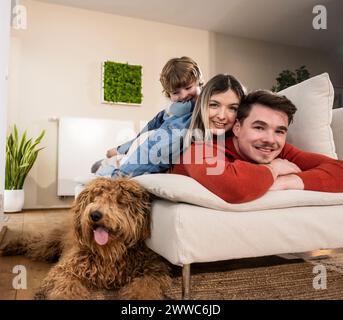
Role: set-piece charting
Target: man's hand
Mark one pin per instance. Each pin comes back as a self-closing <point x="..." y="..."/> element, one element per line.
<point x="282" y="167"/>
<point x="111" y="153"/>
<point x="288" y="182"/>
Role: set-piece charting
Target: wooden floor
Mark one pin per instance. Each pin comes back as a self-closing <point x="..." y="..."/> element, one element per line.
<point x="36" y="271"/>
<point x="41" y="220"/>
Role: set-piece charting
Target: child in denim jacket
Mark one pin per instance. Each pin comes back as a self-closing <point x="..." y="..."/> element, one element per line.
<point x="181" y="80"/>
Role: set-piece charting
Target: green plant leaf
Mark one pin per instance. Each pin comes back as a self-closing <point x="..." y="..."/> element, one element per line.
<point x="21" y="155"/>
<point x="289" y="78"/>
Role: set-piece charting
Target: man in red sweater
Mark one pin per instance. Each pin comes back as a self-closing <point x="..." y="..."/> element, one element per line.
<point x="258" y="159"/>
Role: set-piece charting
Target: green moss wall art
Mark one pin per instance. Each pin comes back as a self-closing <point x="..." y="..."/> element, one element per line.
<point x="121" y="83"/>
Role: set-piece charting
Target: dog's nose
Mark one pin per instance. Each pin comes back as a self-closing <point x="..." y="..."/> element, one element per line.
<point x="96" y="216"/>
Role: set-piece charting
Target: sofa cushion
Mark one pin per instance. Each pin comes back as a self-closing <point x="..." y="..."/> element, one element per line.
<point x="183" y="233"/>
<point x="311" y="130"/>
<point x="179" y="188"/>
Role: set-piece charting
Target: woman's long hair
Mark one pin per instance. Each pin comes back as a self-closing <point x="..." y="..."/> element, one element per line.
<point x="199" y="129"/>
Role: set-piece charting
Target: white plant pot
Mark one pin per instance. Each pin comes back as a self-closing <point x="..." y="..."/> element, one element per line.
<point x="14" y="200"/>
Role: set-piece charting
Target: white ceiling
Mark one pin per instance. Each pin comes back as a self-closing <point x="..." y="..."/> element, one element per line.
<point x="280" y="21"/>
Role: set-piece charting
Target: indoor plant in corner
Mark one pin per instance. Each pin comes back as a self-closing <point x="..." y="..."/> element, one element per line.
<point x="21" y="154"/>
<point x="289" y="78"/>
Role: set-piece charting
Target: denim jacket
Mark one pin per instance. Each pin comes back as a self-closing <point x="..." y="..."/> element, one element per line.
<point x="175" y="109"/>
<point x="161" y="149"/>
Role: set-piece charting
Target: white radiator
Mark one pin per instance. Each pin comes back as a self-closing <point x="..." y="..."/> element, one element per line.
<point x="83" y="141"/>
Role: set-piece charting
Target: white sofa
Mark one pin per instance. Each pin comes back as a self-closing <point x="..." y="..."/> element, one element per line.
<point x="192" y="225"/>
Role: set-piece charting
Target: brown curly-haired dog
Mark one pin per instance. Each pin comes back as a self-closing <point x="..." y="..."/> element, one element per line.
<point x="101" y="247"/>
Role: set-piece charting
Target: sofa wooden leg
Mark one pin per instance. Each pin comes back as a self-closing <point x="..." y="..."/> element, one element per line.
<point x="186" y="279"/>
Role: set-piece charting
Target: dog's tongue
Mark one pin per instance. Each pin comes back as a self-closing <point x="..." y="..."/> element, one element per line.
<point x="100" y="236"/>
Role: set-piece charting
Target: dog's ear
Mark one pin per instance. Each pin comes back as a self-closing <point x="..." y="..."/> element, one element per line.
<point x="77" y="208"/>
<point x="85" y="196"/>
<point x="136" y="201"/>
<point x="132" y="192"/>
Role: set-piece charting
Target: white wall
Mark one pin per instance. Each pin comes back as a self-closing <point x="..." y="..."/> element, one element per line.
<point x="5" y="17"/>
<point x="55" y="71"/>
<point x="257" y="63"/>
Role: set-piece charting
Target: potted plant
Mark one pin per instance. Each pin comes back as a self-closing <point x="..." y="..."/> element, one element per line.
<point x="289" y="78"/>
<point x="21" y="154"/>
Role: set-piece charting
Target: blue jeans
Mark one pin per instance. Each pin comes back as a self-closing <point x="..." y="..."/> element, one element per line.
<point x="153" y="124"/>
<point x="161" y="149"/>
<point x="177" y="109"/>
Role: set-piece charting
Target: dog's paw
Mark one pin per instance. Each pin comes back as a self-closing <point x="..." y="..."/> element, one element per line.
<point x="9" y="249"/>
<point x="13" y="245"/>
<point x="43" y="294"/>
<point x="132" y="293"/>
<point x="139" y="296"/>
<point x="40" y="295"/>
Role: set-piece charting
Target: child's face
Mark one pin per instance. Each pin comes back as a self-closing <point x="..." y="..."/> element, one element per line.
<point x="190" y="92"/>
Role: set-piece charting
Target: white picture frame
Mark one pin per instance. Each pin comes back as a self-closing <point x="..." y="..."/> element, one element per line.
<point x="103" y="101"/>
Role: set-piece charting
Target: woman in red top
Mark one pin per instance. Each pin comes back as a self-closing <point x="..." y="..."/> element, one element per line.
<point x="213" y="118"/>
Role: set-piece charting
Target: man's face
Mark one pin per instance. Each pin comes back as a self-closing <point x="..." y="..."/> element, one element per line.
<point x="262" y="135"/>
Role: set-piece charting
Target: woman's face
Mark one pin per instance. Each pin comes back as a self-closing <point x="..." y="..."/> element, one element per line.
<point x="222" y="111"/>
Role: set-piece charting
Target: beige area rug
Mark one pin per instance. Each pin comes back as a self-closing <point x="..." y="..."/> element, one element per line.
<point x="266" y="278"/>
<point x="254" y="280"/>
<point x="333" y="262"/>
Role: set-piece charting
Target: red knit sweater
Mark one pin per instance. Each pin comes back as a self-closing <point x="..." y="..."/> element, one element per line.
<point x="242" y="181"/>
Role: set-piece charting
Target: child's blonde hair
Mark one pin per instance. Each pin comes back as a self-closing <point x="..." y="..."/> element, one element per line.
<point x="178" y="73"/>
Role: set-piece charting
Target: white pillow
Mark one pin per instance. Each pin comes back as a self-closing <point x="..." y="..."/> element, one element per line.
<point x="179" y="188"/>
<point x="311" y="129"/>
